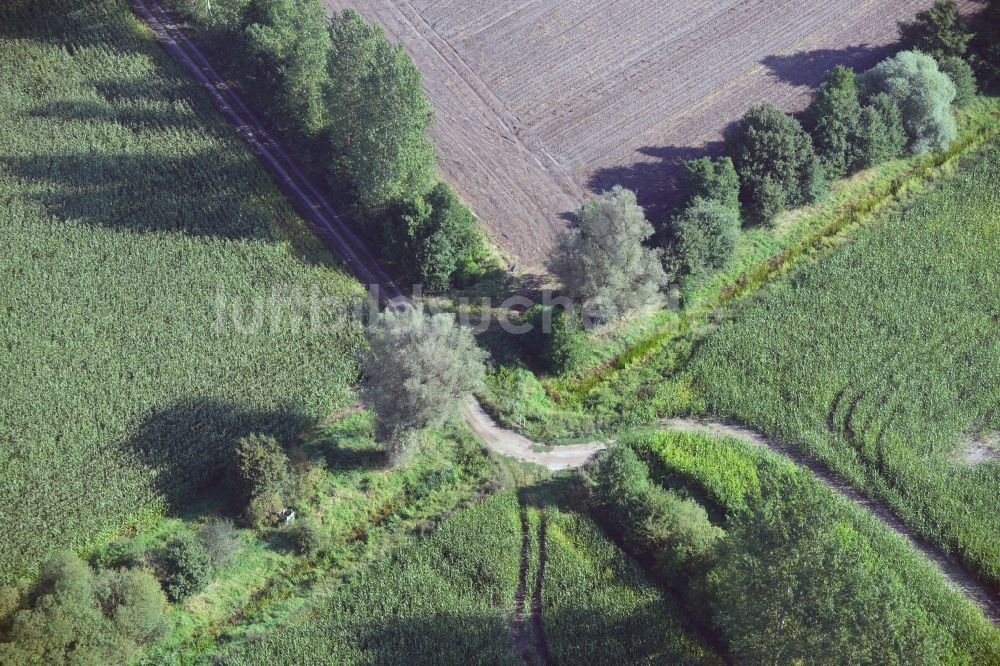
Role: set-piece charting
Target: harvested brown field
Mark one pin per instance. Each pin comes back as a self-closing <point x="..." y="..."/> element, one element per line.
<point x="542" y="103"/>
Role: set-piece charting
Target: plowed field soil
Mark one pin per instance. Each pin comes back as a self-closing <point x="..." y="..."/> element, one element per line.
<point x="541" y="103"/>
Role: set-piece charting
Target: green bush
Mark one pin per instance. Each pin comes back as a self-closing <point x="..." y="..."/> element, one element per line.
<point x="776" y="163"/>
<point x="833" y="121"/>
<point x="433" y="239"/>
<point x="308" y="536"/>
<point x="74" y="617"/>
<point x="186" y="567"/>
<point x="940" y="31"/>
<point x="924" y="96"/>
<point x="704" y="238"/>
<point x="221" y="541"/>
<point x="961" y="74"/>
<point x="714" y="180"/>
<point x="262" y="476"/>
<point x="567" y="343"/>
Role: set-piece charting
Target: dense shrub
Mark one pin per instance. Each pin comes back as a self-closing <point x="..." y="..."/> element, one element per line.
<point x="379" y="116"/>
<point x="186" y="567"/>
<point x="704" y="238"/>
<point x="221" y="541"/>
<point x="939" y="31"/>
<point x="286" y="47"/>
<point x="604" y="260"/>
<point x="308" y="536"/>
<point x="262" y="476"/>
<point x="833" y="118"/>
<point x="924" y="96"/>
<point x="775" y="160"/>
<point x="420" y="371"/>
<point x="567" y="343"/>
<point x="433" y="238"/>
<point x="713" y="180"/>
<point x="881" y="135"/>
<point x="76" y="617"/>
<point x="961" y="74"/>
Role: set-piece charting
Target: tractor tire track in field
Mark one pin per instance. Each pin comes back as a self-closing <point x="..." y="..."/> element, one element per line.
<point x="308" y="200"/>
<point x="526" y="622"/>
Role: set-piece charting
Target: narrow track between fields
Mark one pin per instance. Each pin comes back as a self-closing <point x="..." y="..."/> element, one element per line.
<point x="309" y="201"/>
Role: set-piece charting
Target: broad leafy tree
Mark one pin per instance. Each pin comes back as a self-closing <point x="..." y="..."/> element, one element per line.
<point x="833" y="119"/>
<point x="420" y="371"/>
<point x="776" y="162"/>
<point x="287" y="46"/>
<point x="961" y="74"/>
<point x="604" y="259"/>
<point x="379" y="116"/>
<point x="881" y="135"/>
<point x="923" y="93"/>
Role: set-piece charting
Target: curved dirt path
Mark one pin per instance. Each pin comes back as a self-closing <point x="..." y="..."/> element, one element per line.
<point x="314" y="207"/>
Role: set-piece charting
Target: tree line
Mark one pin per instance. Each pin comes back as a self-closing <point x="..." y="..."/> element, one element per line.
<point x="773" y="162"/>
<point x="350" y="101"/>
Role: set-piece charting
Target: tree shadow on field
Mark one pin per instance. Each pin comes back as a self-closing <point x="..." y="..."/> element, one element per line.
<point x="806" y="68"/>
<point x="656" y="179"/>
<point x="201" y="194"/>
<point x="190" y="444"/>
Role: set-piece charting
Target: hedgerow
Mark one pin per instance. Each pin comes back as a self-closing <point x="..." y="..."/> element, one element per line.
<point x="133" y="224"/>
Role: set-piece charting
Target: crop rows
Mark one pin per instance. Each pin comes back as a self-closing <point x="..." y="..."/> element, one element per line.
<point x="443" y="599"/>
<point x="880" y="360"/>
<point x="599" y="608"/>
<point x="130" y="214"/>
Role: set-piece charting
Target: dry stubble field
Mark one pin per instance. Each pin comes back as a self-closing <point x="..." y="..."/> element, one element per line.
<point x="543" y="102"/>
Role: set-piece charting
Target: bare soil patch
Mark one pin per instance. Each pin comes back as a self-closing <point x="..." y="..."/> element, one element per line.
<point x="542" y="103"/>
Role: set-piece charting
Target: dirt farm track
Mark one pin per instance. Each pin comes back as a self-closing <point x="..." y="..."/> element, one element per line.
<point x="541" y="103"/>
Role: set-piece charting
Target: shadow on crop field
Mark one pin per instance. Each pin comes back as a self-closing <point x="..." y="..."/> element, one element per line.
<point x="190" y="443"/>
<point x="655" y="180"/>
<point x="806" y="68"/>
<point x="202" y="194"/>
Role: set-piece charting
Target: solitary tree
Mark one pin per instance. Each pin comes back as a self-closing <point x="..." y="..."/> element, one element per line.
<point x="833" y="118"/>
<point x="420" y="370"/>
<point x="775" y="160"/>
<point x="379" y="116"/>
<point x="939" y="31"/>
<point x="924" y="96"/>
<point x="287" y="45"/>
<point x="604" y="258"/>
